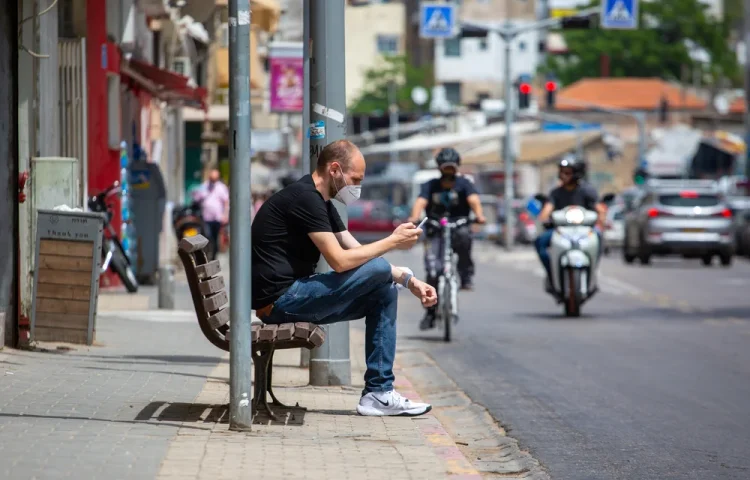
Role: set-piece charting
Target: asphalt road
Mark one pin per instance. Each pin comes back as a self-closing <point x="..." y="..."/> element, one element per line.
<point x="652" y="382"/>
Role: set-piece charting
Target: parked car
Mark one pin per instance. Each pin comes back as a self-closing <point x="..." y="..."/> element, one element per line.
<point x="740" y="207"/>
<point x="614" y="228"/>
<point x="683" y="217"/>
<point x="372" y="220"/>
<point x="744" y="235"/>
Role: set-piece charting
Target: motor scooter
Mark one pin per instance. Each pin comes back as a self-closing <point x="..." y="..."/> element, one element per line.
<point x="188" y="221"/>
<point x="574" y="257"/>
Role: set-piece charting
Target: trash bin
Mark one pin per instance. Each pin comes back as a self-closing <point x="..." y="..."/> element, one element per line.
<point x="148" y="198"/>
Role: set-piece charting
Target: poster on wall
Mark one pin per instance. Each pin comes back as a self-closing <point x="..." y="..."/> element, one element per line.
<point x="287" y="85"/>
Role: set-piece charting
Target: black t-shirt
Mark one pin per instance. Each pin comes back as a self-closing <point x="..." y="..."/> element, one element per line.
<point x="584" y="195"/>
<point x="452" y="201"/>
<point x="282" y="250"/>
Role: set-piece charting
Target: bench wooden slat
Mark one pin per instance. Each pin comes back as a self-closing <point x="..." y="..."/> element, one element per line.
<point x="317" y="337"/>
<point x="267" y="333"/>
<point x="218" y="319"/>
<point x="216" y="301"/>
<point x="208" y="270"/>
<point x="302" y="330"/>
<point x="256" y="332"/>
<point x="211" y="285"/>
<point x="193" y="244"/>
<point x="285" y="332"/>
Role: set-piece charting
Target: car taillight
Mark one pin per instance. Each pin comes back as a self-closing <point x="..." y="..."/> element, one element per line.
<point x="653" y="212"/>
<point x="726" y="213"/>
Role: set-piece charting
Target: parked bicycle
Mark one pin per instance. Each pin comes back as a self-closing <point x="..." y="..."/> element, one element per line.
<point x="448" y="282"/>
<point x="113" y="253"/>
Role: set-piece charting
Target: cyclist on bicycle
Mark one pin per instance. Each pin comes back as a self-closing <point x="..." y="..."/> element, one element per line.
<point x="573" y="190"/>
<point x="456" y="196"/>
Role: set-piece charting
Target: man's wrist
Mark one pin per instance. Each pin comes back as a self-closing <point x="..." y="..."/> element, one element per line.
<point x="407" y="278"/>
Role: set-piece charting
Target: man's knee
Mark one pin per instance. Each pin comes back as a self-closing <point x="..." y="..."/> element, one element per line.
<point x="380" y="270"/>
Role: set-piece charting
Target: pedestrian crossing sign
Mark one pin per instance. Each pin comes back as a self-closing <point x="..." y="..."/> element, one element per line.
<point x="437" y="20"/>
<point x="619" y="14"/>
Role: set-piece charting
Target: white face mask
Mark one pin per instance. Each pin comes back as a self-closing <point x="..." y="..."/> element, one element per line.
<point x="349" y="193"/>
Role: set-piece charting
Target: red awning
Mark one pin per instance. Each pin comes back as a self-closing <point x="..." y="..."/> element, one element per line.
<point x="163" y="84"/>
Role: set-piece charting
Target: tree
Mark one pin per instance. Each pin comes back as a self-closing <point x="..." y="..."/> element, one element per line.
<point x="397" y="69"/>
<point x="656" y="49"/>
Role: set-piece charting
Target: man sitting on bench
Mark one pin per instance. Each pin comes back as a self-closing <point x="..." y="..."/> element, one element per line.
<point x="293" y="228"/>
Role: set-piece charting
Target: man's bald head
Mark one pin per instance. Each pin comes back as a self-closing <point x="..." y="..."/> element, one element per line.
<point x="344" y="152"/>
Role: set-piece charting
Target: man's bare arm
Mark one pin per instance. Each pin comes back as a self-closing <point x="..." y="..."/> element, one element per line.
<point x="546" y="212"/>
<point x="348" y="242"/>
<point x="416" y="211"/>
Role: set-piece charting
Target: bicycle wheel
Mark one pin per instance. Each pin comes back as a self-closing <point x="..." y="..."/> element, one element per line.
<point x="446" y="309"/>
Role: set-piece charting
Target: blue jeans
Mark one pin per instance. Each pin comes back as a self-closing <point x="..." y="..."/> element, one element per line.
<point x="543" y="242"/>
<point x="367" y="291"/>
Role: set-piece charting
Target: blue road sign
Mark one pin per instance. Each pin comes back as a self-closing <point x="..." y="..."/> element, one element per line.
<point x="437" y="20"/>
<point x="619" y="14"/>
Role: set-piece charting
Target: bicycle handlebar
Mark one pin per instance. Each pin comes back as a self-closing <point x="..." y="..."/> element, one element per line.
<point x="444" y="221"/>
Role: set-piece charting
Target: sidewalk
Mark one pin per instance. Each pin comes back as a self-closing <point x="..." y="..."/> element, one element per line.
<point x="150" y="401"/>
<point x="327" y="441"/>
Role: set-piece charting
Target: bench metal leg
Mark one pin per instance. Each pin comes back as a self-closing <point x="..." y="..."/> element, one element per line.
<point x="262" y="362"/>
<point x="275" y="401"/>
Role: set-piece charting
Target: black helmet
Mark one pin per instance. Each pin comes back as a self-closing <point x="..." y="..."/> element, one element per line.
<point x="577" y="164"/>
<point x="448" y="157"/>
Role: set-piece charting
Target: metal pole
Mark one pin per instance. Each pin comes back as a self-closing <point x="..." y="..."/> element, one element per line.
<point x="507" y="150"/>
<point x="641" y="118"/>
<point x="746" y="36"/>
<point x="329" y="363"/>
<point x="240" y="310"/>
<point x="579" y="139"/>
<point x="304" y="356"/>
<point x="393" y="123"/>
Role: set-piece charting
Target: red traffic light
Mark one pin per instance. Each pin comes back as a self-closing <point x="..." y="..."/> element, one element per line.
<point x="524" y="88"/>
<point x="551" y="86"/>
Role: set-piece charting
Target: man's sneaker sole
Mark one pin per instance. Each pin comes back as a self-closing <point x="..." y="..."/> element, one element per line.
<point x="374" y="412"/>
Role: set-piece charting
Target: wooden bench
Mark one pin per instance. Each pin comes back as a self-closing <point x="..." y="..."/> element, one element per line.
<point x="210" y="300"/>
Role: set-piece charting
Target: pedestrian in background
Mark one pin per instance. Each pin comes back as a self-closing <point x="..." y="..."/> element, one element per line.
<point x="214" y="197"/>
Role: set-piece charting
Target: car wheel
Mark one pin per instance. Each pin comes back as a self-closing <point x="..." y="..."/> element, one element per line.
<point x="626" y="255"/>
<point x="726" y="259"/>
<point x="706" y="259"/>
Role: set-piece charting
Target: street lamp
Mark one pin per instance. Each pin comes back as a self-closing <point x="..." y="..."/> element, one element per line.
<point x="508" y="33"/>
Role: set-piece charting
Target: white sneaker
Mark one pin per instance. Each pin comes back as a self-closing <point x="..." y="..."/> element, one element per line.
<point x="378" y="404"/>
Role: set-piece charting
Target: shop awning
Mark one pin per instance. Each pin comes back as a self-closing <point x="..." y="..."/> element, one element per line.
<point x="165" y="85"/>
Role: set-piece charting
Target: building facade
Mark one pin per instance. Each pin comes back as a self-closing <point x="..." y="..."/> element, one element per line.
<point x="473" y="69"/>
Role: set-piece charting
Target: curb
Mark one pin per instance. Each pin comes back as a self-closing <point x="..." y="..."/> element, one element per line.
<point x="442" y="444"/>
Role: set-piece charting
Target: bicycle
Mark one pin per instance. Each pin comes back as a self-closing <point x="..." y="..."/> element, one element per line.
<point x="447" y="285"/>
<point x="114" y="255"/>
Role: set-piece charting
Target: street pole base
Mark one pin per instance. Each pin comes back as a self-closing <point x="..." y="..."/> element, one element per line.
<point x="330" y="372"/>
<point x="239" y="427"/>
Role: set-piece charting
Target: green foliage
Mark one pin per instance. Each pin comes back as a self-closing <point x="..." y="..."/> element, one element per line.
<point x="397" y="69"/>
<point x="656" y="49"/>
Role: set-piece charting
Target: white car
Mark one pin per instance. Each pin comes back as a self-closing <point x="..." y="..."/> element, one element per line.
<point x="614" y="228"/>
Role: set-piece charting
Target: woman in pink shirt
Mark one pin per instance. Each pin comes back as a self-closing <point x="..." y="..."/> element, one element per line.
<point x="214" y="198"/>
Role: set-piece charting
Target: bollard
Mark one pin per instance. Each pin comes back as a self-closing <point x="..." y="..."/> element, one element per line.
<point x="166" y="287"/>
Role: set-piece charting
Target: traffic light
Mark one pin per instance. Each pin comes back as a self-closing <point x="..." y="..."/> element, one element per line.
<point x="577" y="23"/>
<point x="524" y="92"/>
<point x="640" y="176"/>
<point x="551" y="87"/>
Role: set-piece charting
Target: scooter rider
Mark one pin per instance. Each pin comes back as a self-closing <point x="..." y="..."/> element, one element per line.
<point x="573" y="190"/>
<point x="456" y="196"/>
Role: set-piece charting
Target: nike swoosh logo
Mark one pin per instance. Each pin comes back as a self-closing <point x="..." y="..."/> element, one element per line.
<point x="385" y="404"/>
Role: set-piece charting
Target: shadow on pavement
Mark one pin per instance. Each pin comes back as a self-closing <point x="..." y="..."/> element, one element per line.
<point x="555" y="316"/>
<point x="184" y="412"/>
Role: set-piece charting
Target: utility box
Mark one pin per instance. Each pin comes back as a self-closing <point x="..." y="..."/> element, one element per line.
<point x="66" y="280"/>
<point x="148" y="198"/>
